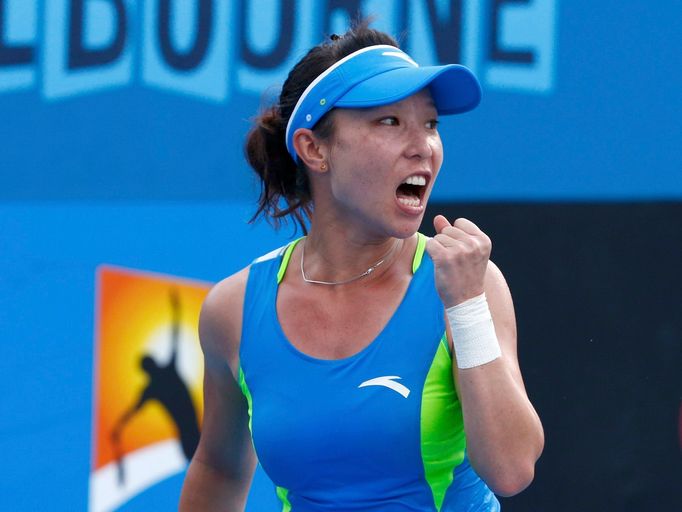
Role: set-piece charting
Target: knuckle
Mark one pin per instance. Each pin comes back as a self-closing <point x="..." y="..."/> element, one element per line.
<point x="473" y="244"/>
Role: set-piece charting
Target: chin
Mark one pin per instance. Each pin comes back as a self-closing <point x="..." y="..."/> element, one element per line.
<point x="406" y="228"/>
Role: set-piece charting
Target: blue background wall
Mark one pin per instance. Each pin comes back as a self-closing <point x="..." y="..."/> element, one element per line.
<point x="133" y="162"/>
<point x="594" y="116"/>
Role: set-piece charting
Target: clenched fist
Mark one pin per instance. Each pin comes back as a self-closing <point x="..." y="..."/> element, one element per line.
<point x="460" y="253"/>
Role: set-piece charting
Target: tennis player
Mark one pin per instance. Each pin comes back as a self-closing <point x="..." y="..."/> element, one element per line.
<point x="366" y="367"/>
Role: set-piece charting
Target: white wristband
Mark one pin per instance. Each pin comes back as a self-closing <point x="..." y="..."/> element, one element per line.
<point x="473" y="333"/>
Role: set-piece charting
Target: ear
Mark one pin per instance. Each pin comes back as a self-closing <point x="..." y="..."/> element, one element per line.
<point x="310" y="149"/>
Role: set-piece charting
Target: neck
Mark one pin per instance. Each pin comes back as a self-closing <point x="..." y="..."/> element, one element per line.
<point x="335" y="254"/>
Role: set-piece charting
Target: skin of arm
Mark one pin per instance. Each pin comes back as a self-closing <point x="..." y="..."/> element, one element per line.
<point x="504" y="433"/>
<point x="175" y="332"/>
<point x="220" y="474"/>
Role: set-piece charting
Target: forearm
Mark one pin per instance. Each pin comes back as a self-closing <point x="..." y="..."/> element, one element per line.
<point x="504" y="433"/>
<point x="207" y="489"/>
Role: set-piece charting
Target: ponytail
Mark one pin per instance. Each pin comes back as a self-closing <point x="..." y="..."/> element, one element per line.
<point x="279" y="175"/>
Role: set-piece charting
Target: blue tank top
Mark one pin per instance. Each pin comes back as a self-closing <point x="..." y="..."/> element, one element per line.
<point x="381" y="430"/>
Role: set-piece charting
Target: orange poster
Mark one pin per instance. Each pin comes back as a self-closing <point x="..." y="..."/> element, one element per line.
<point x="147" y="392"/>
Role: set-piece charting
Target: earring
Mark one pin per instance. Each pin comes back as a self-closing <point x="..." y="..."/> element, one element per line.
<point x="323" y="166"/>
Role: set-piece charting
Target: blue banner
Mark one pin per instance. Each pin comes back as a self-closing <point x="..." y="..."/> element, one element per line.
<point x="151" y="99"/>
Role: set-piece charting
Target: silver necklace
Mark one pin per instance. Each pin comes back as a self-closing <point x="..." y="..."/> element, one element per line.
<point x="346" y="281"/>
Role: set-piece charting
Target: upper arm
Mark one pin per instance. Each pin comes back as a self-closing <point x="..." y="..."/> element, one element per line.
<point x="225" y="442"/>
<point x="504" y="319"/>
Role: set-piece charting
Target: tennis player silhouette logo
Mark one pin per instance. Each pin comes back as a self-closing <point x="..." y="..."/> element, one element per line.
<point x="166" y="387"/>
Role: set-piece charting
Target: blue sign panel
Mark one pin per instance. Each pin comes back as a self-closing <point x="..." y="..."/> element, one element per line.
<point x="17" y="44"/>
<point x="186" y="47"/>
<point x="86" y="47"/>
<point x="151" y="99"/>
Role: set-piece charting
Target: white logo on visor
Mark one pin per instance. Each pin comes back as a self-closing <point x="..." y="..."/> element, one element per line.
<point x="403" y="56"/>
<point x="387" y="382"/>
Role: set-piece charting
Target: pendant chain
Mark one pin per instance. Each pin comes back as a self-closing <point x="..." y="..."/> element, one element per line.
<point x="346" y="281"/>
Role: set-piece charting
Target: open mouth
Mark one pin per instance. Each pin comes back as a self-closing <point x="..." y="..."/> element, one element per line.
<point x="411" y="191"/>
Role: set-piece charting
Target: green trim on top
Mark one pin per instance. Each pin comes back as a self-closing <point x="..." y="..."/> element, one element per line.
<point x="247" y="394"/>
<point x="285" y="259"/>
<point x="444" y="341"/>
<point x="442" y="426"/>
<point x="283" y="495"/>
<point x="419" y="253"/>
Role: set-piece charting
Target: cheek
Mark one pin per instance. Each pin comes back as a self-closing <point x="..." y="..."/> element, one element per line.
<point x="358" y="159"/>
<point x="437" y="148"/>
<point x="341" y="154"/>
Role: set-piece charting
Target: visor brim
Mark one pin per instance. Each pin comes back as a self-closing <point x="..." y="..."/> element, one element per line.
<point x="453" y="87"/>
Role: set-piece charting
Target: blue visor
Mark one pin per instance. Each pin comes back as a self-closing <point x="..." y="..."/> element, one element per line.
<point x="379" y="75"/>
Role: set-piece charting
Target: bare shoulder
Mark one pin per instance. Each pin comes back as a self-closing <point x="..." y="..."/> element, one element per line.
<point x="220" y="321"/>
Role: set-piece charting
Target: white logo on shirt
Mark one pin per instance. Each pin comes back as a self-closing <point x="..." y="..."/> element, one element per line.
<point x="388" y="382"/>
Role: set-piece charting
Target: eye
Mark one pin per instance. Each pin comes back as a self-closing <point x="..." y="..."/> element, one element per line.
<point x="432" y="124"/>
<point x="389" y="121"/>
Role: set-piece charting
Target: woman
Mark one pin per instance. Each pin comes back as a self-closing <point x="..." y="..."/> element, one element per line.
<point x="333" y="356"/>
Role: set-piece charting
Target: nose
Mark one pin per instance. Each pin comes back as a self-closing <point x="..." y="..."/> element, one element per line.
<point x="419" y="143"/>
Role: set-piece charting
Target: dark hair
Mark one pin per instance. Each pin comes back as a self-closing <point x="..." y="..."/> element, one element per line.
<point x="281" y="178"/>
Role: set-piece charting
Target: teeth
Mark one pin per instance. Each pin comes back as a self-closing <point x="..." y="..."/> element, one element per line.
<point x="410" y="201"/>
<point x="415" y="180"/>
